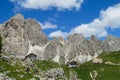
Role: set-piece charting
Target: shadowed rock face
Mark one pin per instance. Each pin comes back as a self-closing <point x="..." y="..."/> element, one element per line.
<point x="22" y="37"/>
<point x="34" y="33"/>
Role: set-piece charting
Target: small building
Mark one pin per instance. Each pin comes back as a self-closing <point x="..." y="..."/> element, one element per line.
<point x="31" y="56"/>
<point x="72" y="64"/>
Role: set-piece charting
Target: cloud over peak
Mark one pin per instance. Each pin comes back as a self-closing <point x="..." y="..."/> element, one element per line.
<point x="109" y="18"/>
<point x="48" y="25"/>
<point x="58" y="33"/>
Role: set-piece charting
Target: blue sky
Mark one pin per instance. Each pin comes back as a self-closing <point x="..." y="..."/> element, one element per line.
<point x="65" y="17"/>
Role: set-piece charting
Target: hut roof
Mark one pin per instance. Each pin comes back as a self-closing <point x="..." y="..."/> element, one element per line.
<point x="31" y="54"/>
<point x="73" y="63"/>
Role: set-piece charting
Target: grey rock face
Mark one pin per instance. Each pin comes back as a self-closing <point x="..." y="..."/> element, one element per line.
<point x="75" y="39"/>
<point x="50" y="51"/>
<point x="55" y="73"/>
<point x="73" y="75"/>
<point x="17" y="33"/>
<point x="111" y="43"/>
<point x="55" y="50"/>
<point x="22" y="37"/>
<point x="81" y="49"/>
<point x="33" y="33"/>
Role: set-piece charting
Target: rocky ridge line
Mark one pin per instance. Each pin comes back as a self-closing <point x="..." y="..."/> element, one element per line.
<point x="22" y="37"/>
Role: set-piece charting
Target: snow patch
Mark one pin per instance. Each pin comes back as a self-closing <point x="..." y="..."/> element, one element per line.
<point x="89" y="57"/>
<point x="56" y="58"/>
<point x="33" y="49"/>
<point x="66" y="53"/>
<point x="111" y="43"/>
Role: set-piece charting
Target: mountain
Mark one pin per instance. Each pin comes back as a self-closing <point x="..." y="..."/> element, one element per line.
<point x="19" y="34"/>
<point x="96" y="59"/>
<point x="24" y="36"/>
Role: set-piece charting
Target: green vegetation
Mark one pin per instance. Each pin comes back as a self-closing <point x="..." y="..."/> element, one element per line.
<point x="45" y="65"/>
<point x="15" y="69"/>
<point x="111" y="56"/>
<point x="66" y="70"/>
<point x="104" y="71"/>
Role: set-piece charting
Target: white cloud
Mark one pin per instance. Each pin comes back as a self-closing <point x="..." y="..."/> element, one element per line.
<point x="47" y="4"/>
<point x="48" y="25"/>
<point x="88" y="30"/>
<point x="109" y="18"/>
<point x="58" y="34"/>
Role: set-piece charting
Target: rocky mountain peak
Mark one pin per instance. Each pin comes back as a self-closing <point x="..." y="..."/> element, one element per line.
<point x="15" y="22"/>
<point x="111" y="43"/>
<point x="18" y="17"/>
<point x="33" y="24"/>
<point x="19" y="34"/>
<point x="111" y="37"/>
<point x="57" y="40"/>
<point x="24" y="36"/>
<point x="76" y="38"/>
<point x="93" y="38"/>
<point x="95" y="41"/>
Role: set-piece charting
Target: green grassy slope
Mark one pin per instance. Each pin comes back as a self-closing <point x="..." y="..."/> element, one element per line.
<point x="17" y="70"/>
<point x="14" y="71"/>
<point x="104" y="71"/>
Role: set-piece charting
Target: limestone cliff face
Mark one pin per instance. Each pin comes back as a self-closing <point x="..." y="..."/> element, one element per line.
<point x="111" y="43"/>
<point x="55" y="50"/>
<point x="79" y="49"/>
<point x="18" y="34"/>
<point x="22" y="37"/>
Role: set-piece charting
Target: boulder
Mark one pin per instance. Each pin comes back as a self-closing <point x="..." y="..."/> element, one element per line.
<point x="97" y="61"/>
<point x="5" y="58"/>
<point x="55" y="73"/>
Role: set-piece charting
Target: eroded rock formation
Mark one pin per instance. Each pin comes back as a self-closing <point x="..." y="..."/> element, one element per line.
<point x="22" y="37"/>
